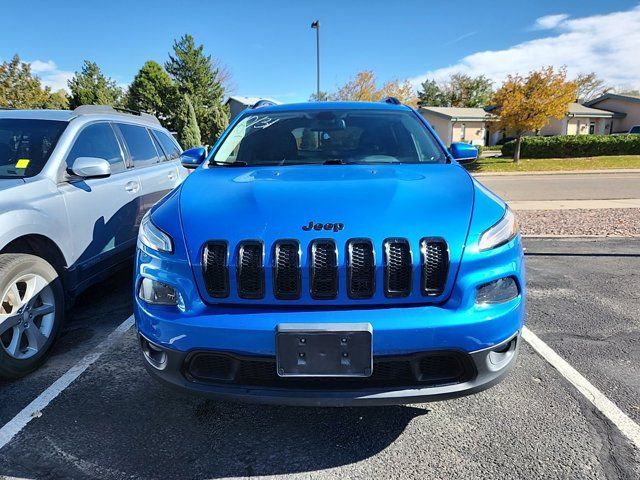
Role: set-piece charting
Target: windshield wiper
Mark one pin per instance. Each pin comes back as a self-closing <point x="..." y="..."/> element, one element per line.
<point x="228" y="164"/>
<point x="334" y="161"/>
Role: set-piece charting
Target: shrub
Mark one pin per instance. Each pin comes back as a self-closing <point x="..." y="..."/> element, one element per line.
<point x="565" y="146"/>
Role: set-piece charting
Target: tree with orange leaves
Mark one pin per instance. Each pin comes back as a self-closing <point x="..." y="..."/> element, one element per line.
<point x="363" y="88"/>
<point x="525" y="104"/>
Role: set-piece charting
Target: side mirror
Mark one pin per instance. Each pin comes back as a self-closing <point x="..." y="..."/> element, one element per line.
<point x="91" y="167"/>
<point x="193" y="157"/>
<point x="463" y="152"/>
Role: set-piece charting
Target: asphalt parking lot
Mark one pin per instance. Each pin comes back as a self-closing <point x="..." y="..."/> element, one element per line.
<point x="115" y="422"/>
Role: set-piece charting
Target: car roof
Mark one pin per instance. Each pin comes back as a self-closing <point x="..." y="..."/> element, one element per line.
<point x="93" y="112"/>
<point x="306" y="106"/>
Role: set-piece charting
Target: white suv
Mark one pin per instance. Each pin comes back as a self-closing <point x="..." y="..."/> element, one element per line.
<point x="74" y="186"/>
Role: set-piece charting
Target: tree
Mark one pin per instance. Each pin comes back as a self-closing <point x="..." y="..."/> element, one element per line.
<point x="19" y="88"/>
<point x="590" y="87"/>
<point x="58" y="100"/>
<point x="151" y="90"/>
<point x="460" y="90"/>
<point x="363" y="88"/>
<point x="431" y="95"/>
<point x="322" y="97"/>
<point x="189" y="134"/>
<point x="91" y="87"/>
<point x="525" y="104"/>
<point x="195" y="75"/>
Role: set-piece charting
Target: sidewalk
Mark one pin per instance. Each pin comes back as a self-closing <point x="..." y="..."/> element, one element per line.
<point x="555" y="172"/>
<point x="574" y="204"/>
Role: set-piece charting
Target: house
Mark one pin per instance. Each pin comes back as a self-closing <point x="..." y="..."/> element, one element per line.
<point x="238" y="103"/>
<point x="625" y="106"/>
<point x="580" y="120"/>
<point x="457" y="124"/>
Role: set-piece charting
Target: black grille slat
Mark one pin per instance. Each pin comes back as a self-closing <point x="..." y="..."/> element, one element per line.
<point x="215" y="269"/>
<point x="286" y="270"/>
<point x="361" y="269"/>
<point x="418" y="370"/>
<point x="435" y="265"/>
<point x="323" y="266"/>
<point x="250" y="270"/>
<point x="397" y="268"/>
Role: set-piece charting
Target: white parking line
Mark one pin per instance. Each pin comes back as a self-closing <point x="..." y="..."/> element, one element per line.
<point x="17" y="423"/>
<point x="628" y="427"/>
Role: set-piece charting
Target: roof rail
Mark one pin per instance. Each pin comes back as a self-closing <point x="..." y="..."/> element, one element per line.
<point x="262" y="103"/>
<point x="391" y="100"/>
<point x="84" y="109"/>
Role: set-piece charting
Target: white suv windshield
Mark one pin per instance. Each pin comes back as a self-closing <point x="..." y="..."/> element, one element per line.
<point x="26" y="144"/>
<point x="327" y="137"/>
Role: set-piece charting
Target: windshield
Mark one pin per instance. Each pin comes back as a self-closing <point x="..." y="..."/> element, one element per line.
<point x="26" y="144"/>
<point x="329" y="137"/>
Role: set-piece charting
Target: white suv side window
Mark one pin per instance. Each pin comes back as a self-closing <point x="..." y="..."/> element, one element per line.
<point x="143" y="152"/>
<point x="97" y="140"/>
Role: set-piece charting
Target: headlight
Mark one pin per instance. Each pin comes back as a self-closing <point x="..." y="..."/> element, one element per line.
<point x="498" y="291"/>
<point x="502" y="232"/>
<point x="152" y="237"/>
<point x="158" y="293"/>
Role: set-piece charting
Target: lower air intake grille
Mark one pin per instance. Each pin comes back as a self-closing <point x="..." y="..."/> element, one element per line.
<point x="324" y="270"/>
<point x="361" y="269"/>
<point x="397" y="268"/>
<point x="286" y="270"/>
<point x="215" y="269"/>
<point x="435" y="265"/>
<point x="250" y="270"/>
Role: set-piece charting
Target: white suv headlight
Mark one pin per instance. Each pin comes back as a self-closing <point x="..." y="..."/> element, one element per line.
<point x="502" y="232"/>
<point x="152" y="237"/>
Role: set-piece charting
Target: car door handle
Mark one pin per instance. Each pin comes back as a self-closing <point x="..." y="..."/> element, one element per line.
<point x="132" y="187"/>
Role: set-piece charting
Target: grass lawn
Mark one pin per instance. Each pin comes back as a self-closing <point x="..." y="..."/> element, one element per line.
<point x="554" y="164"/>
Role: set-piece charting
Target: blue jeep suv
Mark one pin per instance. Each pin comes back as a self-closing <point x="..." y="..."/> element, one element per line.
<point x="330" y="254"/>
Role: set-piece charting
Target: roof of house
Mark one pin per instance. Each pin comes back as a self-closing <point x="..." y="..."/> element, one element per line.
<point x="579" y="110"/>
<point x="617" y="96"/>
<point x="248" y="101"/>
<point x="460" y="114"/>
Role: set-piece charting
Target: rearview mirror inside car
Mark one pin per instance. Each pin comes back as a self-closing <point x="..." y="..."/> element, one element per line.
<point x="463" y="152"/>
<point x="193" y="157"/>
<point x="91" y="167"/>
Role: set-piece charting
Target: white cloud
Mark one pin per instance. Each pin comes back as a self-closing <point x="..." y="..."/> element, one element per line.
<point x="50" y="75"/>
<point x="605" y="44"/>
<point x="550" y="21"/>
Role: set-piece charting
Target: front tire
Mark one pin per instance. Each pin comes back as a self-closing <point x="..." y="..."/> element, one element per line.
<point x="31" y="312"/>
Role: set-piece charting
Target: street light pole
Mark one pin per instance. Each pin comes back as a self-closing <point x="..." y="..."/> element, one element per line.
<point x="316" y="25"/>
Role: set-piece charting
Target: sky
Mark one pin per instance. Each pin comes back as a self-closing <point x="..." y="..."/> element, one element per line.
<point x="270" y="48"/>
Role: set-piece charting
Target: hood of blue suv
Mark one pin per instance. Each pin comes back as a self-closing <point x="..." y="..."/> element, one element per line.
<point x="335" y="202"/>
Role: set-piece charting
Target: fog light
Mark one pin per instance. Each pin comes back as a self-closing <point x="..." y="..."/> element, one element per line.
<point x="156" y="357"/>
<point x="158" y="293"/>
<point x="498" y="291"/>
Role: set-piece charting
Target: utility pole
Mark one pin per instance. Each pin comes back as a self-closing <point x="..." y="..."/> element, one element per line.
<point x="316" y="25"/>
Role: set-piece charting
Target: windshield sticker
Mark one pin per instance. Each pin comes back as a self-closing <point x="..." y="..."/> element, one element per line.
<point x="23" y="163"/>
<point x="260" y="122"/>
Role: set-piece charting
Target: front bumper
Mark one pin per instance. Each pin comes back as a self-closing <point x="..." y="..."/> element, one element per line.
<point x="489" y="365"/>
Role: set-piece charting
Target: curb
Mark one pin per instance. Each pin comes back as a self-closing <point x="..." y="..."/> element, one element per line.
<point x="559" y="172"/>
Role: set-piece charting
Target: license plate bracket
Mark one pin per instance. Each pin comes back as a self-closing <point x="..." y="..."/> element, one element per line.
<point x="324" y="350"/>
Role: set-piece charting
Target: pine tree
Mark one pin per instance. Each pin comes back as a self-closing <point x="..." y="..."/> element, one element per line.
<point x="189" y="134"/>
<point x="91" y="87"/>
<point x="195" y="75"/>
<point x="150" y="89"/>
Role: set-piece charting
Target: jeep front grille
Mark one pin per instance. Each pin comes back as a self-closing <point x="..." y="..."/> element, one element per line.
<point x="250" y="269"/>
<point x="323" y="269"/>
<point x="286" y="270"/>
<point x="398" y="267"/>
<point x="361" y="269"/>
<point x="215" y="269"/>
<point x="365" y="277"/>
<point x="435" y="265"/>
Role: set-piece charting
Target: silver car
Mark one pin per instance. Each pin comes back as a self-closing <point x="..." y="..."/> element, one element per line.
<point x="74" y="186"/>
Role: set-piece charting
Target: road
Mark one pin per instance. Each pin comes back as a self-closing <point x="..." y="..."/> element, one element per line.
<point x="585" y="186"/>
<point x="115" y="422"/>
